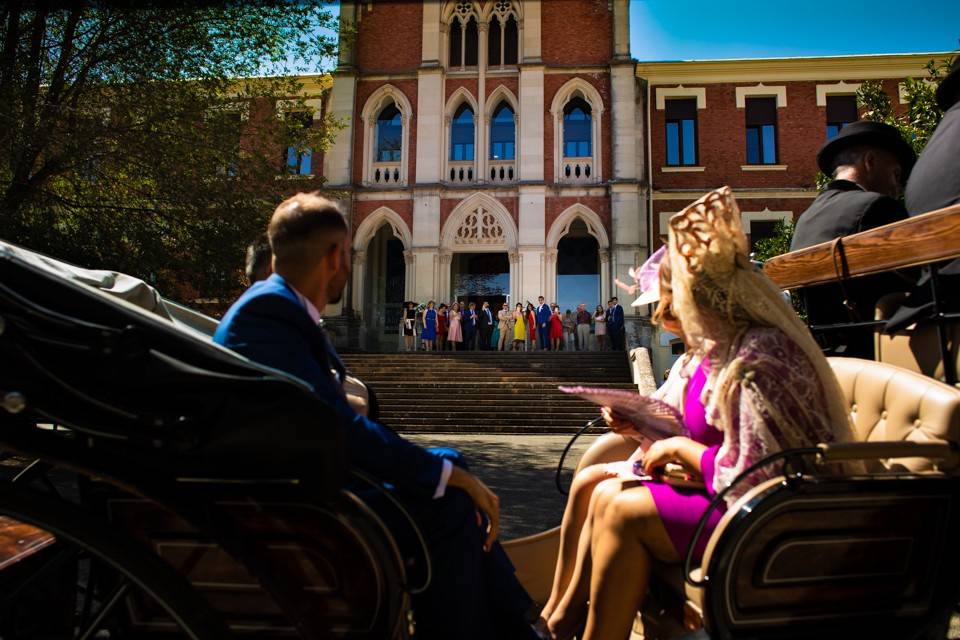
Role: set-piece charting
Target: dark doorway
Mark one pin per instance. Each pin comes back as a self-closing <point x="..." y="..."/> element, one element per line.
<point x="475" y="277"/>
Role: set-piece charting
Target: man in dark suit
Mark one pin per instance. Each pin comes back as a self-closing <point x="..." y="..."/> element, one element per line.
<point x="869" y="162"/>
<point x="615" y="324"/>
<point x="474" y="593"/>
<point x="470" y="327"/>
<point x="543" y="323"/>
<point x="934" y="184"/>
<point x="485" y="325"/>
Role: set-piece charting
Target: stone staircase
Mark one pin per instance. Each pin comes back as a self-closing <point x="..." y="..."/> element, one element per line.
<point x="487" y="391"/>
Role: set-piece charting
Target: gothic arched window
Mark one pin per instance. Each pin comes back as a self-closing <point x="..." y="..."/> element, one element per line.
<point x="503" y="36"/>
<point x="389" y="134"/>
<point x="461" y="134"/>
<point x="577" y="129"/>
<point x="503" y="132"/>
<point x="464" y="36"/>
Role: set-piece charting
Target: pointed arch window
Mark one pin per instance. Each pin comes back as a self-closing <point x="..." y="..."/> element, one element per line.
<point x="503" y="35"/>
<point x="464" y="37"/>
<point x="503" y="132"/>
<point x="577" y="129"/>
<point x="462" y="134"/>
<point x="389" y="130"/>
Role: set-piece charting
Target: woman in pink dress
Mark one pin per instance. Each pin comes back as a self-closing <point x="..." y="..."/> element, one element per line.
<point x="755" y="383"/>
<point x="454" y="332"/>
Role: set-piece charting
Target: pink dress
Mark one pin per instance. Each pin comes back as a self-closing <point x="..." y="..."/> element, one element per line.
<point x="454" y="334"/>
<point x="680" y="509"/>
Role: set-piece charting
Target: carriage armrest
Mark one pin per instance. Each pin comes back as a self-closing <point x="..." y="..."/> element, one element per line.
<point x="948" y="452"/>
<point x="19" y="541"/>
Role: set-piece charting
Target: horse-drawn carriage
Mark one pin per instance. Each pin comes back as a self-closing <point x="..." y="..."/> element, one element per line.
<point x="156" y="485"/>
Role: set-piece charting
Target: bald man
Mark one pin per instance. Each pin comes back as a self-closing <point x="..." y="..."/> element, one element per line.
<point x="474" y="593"/>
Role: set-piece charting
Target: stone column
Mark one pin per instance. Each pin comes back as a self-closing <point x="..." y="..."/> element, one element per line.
<point x="605" y="276"/>
<point x="358" y="275"/>
<point x="621" y="29"/>
<point x="480" y="118"/>
<point x="409" y="274"/>
<point x="338" y="160"/>
<point x="429" y="125"/>
<point x="530" y="136"/>
<point x="550" y="275"/>
<point x="443" y="289"/>
<point x="514" y="290"/>
<point x="532" y="234"/>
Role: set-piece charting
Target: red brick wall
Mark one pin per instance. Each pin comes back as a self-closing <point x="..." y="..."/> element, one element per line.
<point x="470" y="84"/>
<point x="363" y="208"/>
<point x="364" y="90"/>
<point x="551" y="84"/>
<point x="801" y="130"/>
<point x="576" y="32"/>
<point x="389" y="36"/>
<point x="598" y="204"/>
<point x="796" y="205"/>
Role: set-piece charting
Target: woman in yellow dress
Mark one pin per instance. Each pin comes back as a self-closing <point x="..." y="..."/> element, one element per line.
<point x="519" y="328"/>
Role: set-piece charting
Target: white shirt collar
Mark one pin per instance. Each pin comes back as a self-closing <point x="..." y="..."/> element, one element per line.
<point x="311" y="308"/>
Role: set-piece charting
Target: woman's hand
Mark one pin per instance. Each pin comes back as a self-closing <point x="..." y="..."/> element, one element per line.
<point x="617" y="424"/>
<point x="677" y="449"/>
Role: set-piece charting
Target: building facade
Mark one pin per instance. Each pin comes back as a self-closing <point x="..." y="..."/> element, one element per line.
<point x="507" y="149"/>
<point x="492" y="150"/>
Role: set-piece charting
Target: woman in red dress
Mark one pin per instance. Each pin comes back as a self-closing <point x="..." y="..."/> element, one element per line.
<point x="532" y="326"/>
<point x="556" y="328"/>
<point x="441" y="327"/>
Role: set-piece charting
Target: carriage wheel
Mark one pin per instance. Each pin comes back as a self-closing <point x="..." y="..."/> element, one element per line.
<point x="86" y="585"/>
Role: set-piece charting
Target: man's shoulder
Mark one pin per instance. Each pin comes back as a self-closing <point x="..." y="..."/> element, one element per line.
<point x="836" y="213"/>
<point x="268" y="297"/>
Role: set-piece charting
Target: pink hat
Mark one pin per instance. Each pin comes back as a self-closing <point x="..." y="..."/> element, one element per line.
<point x="648" y="278"/>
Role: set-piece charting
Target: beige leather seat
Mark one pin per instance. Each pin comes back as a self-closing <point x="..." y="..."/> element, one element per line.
<point x="916" y="348"/>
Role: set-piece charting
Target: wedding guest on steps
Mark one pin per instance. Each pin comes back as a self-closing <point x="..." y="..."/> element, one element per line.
<point x="569" y="331"/>
<point x="505" y="322"/>
<point x="485" y="324"/>
<point x="469" y="326"/>
<point x="408" y="323"/>
<point x="600" y="327"/>
<point x="543" y="324"/>
<point x="455" y="331"/>
<point x="519" y="328"/>
<point x="442" y="327"/>
<point x="556" y="328"/>
<point x="429" y="334"/>
<point x="531" y="320"/>
<point x="583" y="328"/>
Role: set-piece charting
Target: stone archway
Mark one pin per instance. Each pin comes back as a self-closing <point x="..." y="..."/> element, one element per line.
<point x="382" y="270"/>
<point x="594" y="227"/>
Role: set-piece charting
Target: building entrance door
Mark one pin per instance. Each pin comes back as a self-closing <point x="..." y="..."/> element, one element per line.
<point x="475" y="277"/>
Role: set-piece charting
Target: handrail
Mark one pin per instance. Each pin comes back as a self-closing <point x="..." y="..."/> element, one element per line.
<point x="930" y="237"/>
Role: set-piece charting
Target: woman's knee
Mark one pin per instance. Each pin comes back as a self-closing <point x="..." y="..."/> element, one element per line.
<point x="610" y="447"/>
<point x="632" y="509"/>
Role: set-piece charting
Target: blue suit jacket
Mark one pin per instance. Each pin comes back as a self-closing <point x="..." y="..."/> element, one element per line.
<point x="469" y="324"/>
<point x="269" y="325"/>
<point x="543" y="315"/>
<point x="615" y="317"/>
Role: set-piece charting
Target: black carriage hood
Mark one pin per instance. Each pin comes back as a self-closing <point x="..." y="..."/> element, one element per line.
<point x="146" y="392"/>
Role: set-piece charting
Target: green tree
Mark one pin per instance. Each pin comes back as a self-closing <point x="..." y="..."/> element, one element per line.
<point x="120" y="130"/>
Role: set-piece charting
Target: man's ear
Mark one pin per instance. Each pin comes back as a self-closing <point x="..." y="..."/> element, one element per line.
<point x="333" y="257"/>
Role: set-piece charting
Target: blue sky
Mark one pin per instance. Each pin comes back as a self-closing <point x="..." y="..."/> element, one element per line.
<point x="703" y="30"/>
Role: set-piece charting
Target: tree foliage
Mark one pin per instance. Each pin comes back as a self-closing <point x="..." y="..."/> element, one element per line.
<point x="120" y="131"/>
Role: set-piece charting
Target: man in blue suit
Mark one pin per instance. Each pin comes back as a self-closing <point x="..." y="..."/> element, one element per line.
<point x="543" y="323"/>
<point x="615" y="324"/>
<point x="470" y="327"/>
<point x="474" y="593"/>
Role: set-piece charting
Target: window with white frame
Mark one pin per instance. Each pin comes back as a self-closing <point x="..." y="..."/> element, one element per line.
<point x="577" y="110"/>
<point x="389" y="132"/>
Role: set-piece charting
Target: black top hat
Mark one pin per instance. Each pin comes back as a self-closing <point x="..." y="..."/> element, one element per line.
<point x="949" y="90"/>
<point x="872" y="134"/>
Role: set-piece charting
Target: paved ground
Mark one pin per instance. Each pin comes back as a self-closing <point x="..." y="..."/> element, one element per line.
<point x="520" y="469"/>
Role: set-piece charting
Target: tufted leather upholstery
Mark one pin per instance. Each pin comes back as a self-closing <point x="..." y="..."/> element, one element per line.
<point x="888" y="403"/>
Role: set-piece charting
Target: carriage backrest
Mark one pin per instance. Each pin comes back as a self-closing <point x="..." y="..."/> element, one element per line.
<point x="891" y="404"/>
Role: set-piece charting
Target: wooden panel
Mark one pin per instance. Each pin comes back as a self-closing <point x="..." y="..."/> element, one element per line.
<point x="923" y="239"/>
<point x="19" y="540"/>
